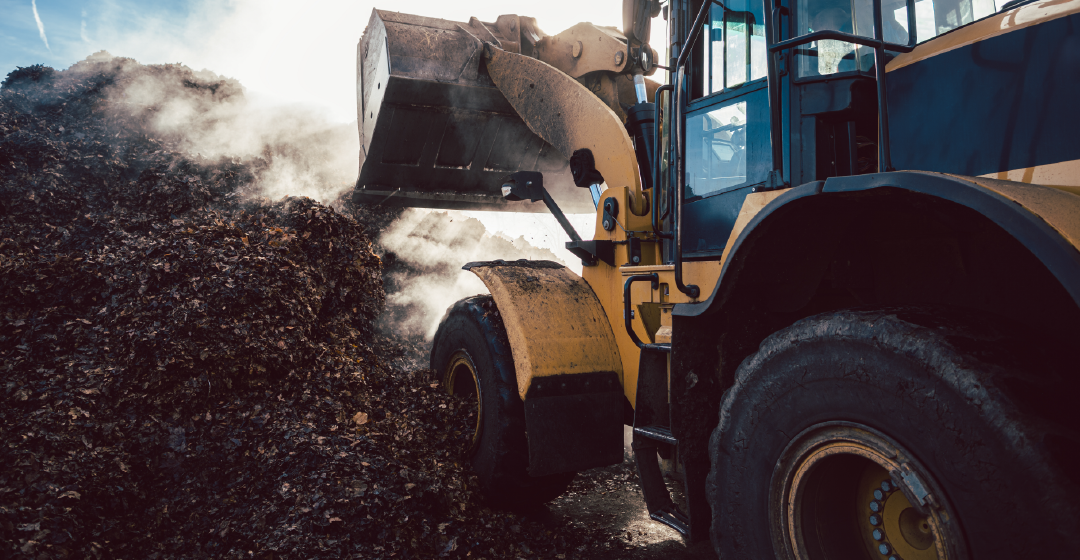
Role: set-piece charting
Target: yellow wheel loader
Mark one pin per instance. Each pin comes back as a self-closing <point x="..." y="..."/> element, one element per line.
<point x="834" y="284"/>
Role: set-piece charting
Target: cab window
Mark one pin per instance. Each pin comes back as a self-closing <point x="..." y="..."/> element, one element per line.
<point x="822" y="58"/>
<point x="716" y="150"/>
<point x="932" y="18"/>
<point x="734" y="46"/>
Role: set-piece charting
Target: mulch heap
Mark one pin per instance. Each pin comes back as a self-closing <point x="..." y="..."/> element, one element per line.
<point x="187" y="371"/>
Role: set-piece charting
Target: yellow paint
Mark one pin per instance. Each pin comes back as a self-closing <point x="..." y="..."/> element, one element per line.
<point x="753" y="204"/>
<point x="1064" y="175"/>
<point x="554" y="322"/>
<point x="1058" y="208"/>
<point x="565" y="113"/>
<point x="997" y="24"/>
<point x="596" y="49"/>
<point x="607" y="281"/>
<point x="560" y="323"/>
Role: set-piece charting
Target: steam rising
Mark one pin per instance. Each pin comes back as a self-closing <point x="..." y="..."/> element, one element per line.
<point x="296" y="150"/>
<point x="426" y="250"/>
<point x="307" y="154"/>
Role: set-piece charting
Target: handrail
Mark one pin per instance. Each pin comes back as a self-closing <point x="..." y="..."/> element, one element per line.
<point x="829" y="34"/>
<point x="776" y="127"/>
<point x="879" y="45"/>
<point x="656" y="164"/>
<point x="680" y="185"/>
<point x="695" y="30"/>
<point x="654" y="278"/>
<point x="677" y="136"/>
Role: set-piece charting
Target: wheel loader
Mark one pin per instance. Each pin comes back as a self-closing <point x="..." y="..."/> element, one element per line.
<point x="834" y="284"/>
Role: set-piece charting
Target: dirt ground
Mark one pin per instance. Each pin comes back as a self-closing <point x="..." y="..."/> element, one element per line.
<point x="610" y="500"/>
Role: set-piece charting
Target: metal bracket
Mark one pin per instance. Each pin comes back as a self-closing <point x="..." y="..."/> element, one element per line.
<point x="913" y="488"/>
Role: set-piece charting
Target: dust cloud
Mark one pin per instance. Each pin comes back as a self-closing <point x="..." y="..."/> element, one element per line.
<point x="425" y="251"/>
<point x="293" y="149"/>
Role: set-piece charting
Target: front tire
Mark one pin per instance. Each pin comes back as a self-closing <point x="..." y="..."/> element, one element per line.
<point x="889" y="434"/>
<point x="471" y="357"/>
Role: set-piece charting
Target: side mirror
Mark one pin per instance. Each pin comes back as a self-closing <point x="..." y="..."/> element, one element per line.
<point x="637" y="19"/>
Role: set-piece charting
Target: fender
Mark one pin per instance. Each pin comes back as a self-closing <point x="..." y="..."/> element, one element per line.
<point x="1004" y="248"/>
<point x="567" y="362"/>
<point x="554" y="321"/>
<point x="1045" y="220"/>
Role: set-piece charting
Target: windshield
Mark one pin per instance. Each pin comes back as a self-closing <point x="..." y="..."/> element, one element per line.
<point x="932" y="18"/>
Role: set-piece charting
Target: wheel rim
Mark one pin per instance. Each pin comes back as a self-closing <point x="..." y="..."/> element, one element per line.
<point x="461" y="380"/>
<point x="842" y="490"/>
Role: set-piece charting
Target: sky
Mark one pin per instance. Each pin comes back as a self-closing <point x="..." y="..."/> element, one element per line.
<point x="282" y="51"/>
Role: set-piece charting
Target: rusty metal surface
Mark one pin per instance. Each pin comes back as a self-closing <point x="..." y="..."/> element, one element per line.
<point x="555" y="323"/>
<point x="435" y="130"/>
<point x="565" y="113"/>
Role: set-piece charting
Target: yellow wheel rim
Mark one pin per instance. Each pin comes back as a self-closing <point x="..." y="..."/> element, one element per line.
<point x="461" y="380"/>
<point x="841" y="490"/>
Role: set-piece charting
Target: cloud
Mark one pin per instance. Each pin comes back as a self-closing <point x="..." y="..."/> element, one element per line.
<point x="291" y="52"/>
<point x="82" y="28"/>
<point x="40" y="26"/>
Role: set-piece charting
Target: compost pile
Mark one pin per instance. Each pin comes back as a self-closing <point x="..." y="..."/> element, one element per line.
<point x="187" y="370"/>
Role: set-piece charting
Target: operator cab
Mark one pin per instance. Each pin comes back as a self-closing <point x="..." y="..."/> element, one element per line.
<point x="826" y="100"/>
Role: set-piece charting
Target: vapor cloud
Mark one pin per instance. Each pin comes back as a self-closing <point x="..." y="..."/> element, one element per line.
<point x="423" y="276"/>
<point x="40" y="26"/>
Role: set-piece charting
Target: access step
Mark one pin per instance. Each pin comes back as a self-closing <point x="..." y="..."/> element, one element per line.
<point x="657" y="433"/>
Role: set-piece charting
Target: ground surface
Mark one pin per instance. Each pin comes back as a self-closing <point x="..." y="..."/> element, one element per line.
<point x="191" y="370"/>
<point x="610" y="499"/>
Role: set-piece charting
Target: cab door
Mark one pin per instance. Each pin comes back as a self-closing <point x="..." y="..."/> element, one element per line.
<point x="727" y="126"/>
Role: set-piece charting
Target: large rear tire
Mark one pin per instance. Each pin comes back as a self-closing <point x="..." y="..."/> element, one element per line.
<point x="896" y="433"/>
<point x="471" y="357"/>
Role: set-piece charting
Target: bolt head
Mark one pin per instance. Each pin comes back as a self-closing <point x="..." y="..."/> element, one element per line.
<point x="875" y="506"/>
<point x="887" y="486"/>
<point x="894" y="557"/>
<point x="879" y="495"/>
<point x="883" y="548"/>
<point x="575" y="49"/>
<point x="875" y="520"/>
<point x="878" y="534"/>
<point x="618" y="57"/>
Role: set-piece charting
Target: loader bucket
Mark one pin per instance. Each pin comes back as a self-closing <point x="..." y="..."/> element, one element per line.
<point x="435" y="132"/>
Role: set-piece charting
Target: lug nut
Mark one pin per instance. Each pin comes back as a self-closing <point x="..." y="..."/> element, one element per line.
<point x="883" y="549"/>
<point x="879" y="494"/>
<point x="878" y="534"/>
<point x="875" y="520"/>
<point x="894" y="557"/>
<point x="886" y="486"/>
<point x="875" y="506"/>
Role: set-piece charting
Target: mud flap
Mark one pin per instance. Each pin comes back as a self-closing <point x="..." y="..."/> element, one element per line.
<point x="574" y="422"/>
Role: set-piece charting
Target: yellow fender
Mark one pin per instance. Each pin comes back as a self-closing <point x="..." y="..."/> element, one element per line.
<point x="555" y="323"/>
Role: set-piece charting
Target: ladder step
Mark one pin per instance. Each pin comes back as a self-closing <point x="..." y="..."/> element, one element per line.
<point x="658" y="433"/>
<point x="673" y="518"/>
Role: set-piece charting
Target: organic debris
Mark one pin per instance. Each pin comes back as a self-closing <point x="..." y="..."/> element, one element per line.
<point x="190" y="371"/>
